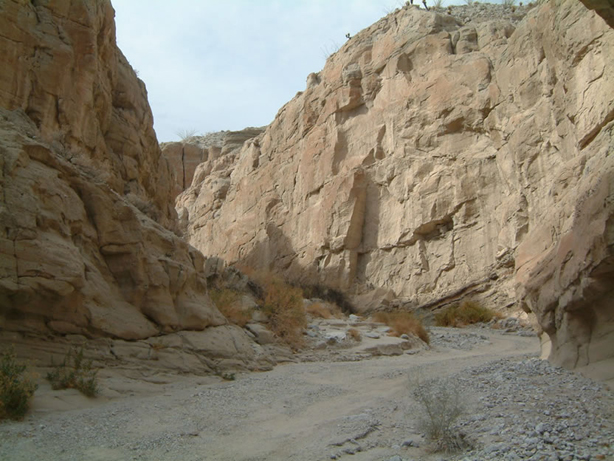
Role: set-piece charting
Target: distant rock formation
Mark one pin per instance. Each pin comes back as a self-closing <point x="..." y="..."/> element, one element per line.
<point x="87" y="238"/>
<point x="185" y="156"/>
<point x="433" y="159"/>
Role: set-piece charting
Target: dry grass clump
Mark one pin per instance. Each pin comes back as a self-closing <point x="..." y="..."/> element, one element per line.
<point x="330" y="295"/>
<point x="228" y="303"/>
<point x="318" y="310"/>
<point x="16" y="388"/>
<point x="403" y="323"/>
<point x="467" y="313"/>
<point x="283" y="304"/>
<point x="75" y="372"/>
<point x="354" y="334"/>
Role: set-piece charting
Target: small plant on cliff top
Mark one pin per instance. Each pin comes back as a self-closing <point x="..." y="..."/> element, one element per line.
<point x="16" y="388"/>
<point x="75" y="372"/>
<point x="186" y="134"/>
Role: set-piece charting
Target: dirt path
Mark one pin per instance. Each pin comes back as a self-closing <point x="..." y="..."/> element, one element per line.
<point x="302" y="411"/>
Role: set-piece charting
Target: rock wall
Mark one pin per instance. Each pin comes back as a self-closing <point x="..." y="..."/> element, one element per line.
<point x="87" y="243"/>
<point x="434" y="158"/>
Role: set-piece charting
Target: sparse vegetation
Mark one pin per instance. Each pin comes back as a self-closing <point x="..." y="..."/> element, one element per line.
<point x="509" y="2"/>
<point x="354" y="334"/>
<point x="330" y="295"/>
<point x="16" y="388"/>
<point x="437" y="4"/>
<point x="467" y="313"/>
<point x="403" y="323"/>
<point x="228" y="303"/>
<point x="441" y="404"/>
<point x="319" y="310"/>
<point x="75" y="372"/>
<point x="283" y="305"/>
<point x="186" y="134"/>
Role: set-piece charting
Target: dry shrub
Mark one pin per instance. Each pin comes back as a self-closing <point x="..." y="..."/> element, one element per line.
<point x="441" y="402"/>
<point x="403" y="323"/>
<point x="16" y="388"/>
<point x="283" y="304"/>
<point x="318" y="310"/>
<point x="354" y="334"/>
<point x="330" y="295"/>
<point x="228" y="303"/>
<point x="467" y="313"/>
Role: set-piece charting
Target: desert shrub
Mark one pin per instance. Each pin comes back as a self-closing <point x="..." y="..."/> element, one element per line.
<point x="403" y="323"/>
<point x="16" y="388"/>
<point x="354" y="334"/>
<point x="318" y="310"/>
<point x="437" y="4"/>
<point x="441" y="407"/>
<point x="330" y="295"/>
<point x="227" y="301"/>
<point x="283" y="304"/>
<point x="75" y="372"/>
<point x="468" y="312"/>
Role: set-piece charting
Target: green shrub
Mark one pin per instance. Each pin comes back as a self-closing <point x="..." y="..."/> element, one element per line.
<point x="16" y="389"/>
<point x="403" y="323"/>
<point x="467" y="313"/>
<point x="75" y="372"/>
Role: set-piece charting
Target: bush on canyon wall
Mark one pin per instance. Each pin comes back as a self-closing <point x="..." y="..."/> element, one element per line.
<point x="228" y="301"/>
<point x="16" y="387"/>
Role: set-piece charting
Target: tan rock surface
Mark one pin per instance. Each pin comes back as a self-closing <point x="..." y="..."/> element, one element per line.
<point x="431" y="160"/>
<point x="87" y="242"/>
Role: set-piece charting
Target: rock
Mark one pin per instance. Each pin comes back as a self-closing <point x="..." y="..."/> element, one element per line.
<point x="433" y="158"/>
<point x="263" y="334"/>
<point x="89" y="239"/>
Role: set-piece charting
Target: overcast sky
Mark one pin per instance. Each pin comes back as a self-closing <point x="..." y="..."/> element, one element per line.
<point x="212" y="65"/>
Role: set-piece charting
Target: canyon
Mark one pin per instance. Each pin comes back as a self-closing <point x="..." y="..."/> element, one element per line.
<point x="438" y="156"/>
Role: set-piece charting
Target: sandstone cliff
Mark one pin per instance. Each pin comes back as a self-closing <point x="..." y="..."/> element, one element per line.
<point x="87" y="243"/>
<point x="438" y="156"/>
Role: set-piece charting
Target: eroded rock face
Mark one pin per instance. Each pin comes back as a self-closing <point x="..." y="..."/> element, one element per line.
<point x="87" y="241"/>
<point x="432" y="159"/>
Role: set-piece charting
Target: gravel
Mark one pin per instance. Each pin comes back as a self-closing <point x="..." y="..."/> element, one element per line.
<point x="518" y="408"/>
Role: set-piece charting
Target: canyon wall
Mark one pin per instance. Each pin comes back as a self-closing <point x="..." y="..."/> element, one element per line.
<point x="439" y="156"/>
<point x="88" y="243"/>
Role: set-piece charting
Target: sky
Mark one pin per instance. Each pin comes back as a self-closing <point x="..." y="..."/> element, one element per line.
<point x="212" y="65"/>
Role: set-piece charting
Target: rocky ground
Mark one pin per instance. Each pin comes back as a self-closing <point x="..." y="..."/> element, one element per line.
<point x="339" y="403"/>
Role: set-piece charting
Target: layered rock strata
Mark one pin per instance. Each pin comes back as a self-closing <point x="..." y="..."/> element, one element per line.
<point x="433" y="159"/>
<point x="87" y="238"/>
